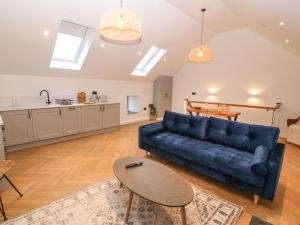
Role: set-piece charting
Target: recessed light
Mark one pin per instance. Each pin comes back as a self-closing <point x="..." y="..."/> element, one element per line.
<point x="287" y="41"/>
<point x="281" y="23"/>
<point x="102" y="45"/>
<point x="46" y="33"/>
<point x="165" y="59"/>
<point x="139" y="53"/>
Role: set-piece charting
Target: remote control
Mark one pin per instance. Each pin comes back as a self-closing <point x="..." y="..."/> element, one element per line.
<point x="134" y="165"/>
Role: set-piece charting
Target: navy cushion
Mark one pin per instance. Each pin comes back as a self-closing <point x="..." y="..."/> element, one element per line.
<point x="246" y="137"/>
<point x="259" y="163"/>
<point x="221" y="158"/>
<point x="190" y="126"/>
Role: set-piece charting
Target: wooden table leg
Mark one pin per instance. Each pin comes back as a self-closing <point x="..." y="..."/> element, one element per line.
<point x="129" y="206"/>
<point x="183" y="215"/>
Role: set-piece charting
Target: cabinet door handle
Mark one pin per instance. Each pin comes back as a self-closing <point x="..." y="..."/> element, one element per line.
<point x="4" y="139"/>
<point x="3" y="127"/>
<point x="72" y="108"/>
<point x="60" y="112"/>
<point x="29" y="116"/>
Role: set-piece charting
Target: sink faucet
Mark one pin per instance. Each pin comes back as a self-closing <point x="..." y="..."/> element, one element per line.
<point x="48" y="100"/>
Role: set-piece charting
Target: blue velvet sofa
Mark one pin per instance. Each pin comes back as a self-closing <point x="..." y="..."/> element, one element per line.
<point x="242" y="155"/>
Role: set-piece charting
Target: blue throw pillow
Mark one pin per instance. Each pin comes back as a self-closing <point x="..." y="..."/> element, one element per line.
<point x="259" y="164"/>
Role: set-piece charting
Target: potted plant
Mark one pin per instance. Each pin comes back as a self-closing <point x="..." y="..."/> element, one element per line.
<point x="153" y="114"/>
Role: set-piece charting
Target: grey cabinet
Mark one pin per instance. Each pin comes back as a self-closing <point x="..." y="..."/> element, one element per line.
<point x="110" y="114"/>
<point x="71" y="118"/>
<point x="47" y="123"/>
<point x="17" y="127"/>
<point x="90" y="117"/>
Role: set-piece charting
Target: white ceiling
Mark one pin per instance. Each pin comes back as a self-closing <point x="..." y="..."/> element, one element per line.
<point x="170" y="24"/>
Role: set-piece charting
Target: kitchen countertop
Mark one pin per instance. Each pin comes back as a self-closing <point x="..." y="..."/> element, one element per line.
<point x="12" y="108"/>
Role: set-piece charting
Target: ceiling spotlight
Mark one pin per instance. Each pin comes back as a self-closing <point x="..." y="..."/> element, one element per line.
<point x="46" y="33"/>
<point x="281" y="24"/>
<point x="287" y="41"/>
<point x="102" y="45"/>
<point x="165" y="59"/>
<point x="139" y="53"/>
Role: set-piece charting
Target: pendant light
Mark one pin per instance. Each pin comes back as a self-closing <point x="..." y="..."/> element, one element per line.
<point x="201" y="53"/>
<point x="120" y="26"/>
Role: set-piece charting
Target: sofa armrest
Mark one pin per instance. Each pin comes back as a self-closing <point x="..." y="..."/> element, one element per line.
<point x="259" y="164"/>
<point x="151" y="128"/>
<point x="274" y="166"/>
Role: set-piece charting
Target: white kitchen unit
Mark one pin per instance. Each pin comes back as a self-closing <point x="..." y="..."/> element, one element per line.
<point x="17" y="127"/>
<point x="47" y="123"/>
<point x="71" y="118"/>
<point x="110" y="115"/>
<point x="91" y="118"/>
<point x="2" y="153"/>
<point x="26" y="127"/>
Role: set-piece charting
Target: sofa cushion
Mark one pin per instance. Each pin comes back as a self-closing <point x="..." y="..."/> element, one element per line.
<point x="189" y="126"/>
<point x="242" y="136"/>
<point x="259" y="164"/>
<point x="221" y="158"/>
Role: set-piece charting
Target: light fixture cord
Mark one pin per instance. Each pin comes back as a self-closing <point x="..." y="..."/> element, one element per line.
<point x="121" y="4"/>
<point x="202" y="28"/>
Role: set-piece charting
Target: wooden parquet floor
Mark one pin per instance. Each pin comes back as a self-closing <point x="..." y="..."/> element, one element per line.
<point x="47" y="173"/>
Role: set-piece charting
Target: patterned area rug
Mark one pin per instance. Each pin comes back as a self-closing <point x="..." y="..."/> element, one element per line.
<point x="105" y="204"/>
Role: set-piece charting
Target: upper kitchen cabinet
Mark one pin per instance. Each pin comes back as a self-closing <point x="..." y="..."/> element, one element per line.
<point x="17" y="127"/>
<point x="47" y="123"/>
<point x="110" y="115"/>
<point x="71" y="117"/>
<point x="90" y="117"/>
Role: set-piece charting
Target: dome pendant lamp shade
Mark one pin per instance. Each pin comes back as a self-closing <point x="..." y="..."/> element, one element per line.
<point x="201" y="53"/>
<point x="121" y="27"/>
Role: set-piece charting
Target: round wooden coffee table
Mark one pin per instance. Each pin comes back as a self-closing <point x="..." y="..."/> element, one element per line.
<point x="155" y="182"/>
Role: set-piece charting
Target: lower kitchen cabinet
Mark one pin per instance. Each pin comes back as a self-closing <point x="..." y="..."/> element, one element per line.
<point x="17" y="127"/>
<point x="110" y="115"/>
<point x="47" y="123"/>
<point x="90" y="117"/>
<point x="71" y="118"/>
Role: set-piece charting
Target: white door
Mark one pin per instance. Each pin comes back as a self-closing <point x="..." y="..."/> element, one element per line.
<point x="110" y="115"/>
<point x="47" y="123"/>
<point x="71" y="118"/>
<point x="17" y="127"/>
<point x="91" y="118"/>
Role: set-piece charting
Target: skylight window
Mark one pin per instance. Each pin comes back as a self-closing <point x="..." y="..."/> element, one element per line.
<point x="151" y="58"/>
<point x="73" y="42"/>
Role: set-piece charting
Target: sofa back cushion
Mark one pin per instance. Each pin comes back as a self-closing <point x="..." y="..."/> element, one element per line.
<point x="190" y="126"/>
<point x="246" y="137"/>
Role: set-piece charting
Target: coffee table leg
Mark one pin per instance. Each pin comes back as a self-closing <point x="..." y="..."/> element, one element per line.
<point x="129" y="206"/>
<point x="183" y="215"/>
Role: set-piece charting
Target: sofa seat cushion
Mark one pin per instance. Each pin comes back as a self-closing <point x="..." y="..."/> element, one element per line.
<point x="228" y="160"/>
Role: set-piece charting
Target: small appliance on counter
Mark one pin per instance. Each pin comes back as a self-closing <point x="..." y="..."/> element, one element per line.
<point x="81" y="97"/>
<point x="64" y="101"/>
<point x="95" y="98"/>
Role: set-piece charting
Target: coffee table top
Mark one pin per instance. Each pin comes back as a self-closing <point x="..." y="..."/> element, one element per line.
<point x="154" y="181"/>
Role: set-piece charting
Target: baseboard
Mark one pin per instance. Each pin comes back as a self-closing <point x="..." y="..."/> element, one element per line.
<point x="135" y="120"/>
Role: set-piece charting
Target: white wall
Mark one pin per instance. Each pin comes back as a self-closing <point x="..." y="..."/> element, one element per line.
<point x="26" y="87"/>
<point x="244" y="63"/>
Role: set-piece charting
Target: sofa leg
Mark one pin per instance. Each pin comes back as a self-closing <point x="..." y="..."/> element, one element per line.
<point x="256" y="198"/>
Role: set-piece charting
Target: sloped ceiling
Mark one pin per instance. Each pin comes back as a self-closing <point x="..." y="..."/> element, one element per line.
<point x="170" y="24"/>
<point x="25" y="50"/>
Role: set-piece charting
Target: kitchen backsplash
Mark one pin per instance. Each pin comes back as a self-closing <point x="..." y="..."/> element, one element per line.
<point x="33" y="100"/>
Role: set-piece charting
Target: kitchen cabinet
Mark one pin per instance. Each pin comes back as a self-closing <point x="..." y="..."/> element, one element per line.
<point x="2" y="152"/>
<point x="110" y="114"/>
<point x="91" y="118"/>
<point x="71" y="118"/>
<point x="47" y="123"/>
<point x="17" y="127"/>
